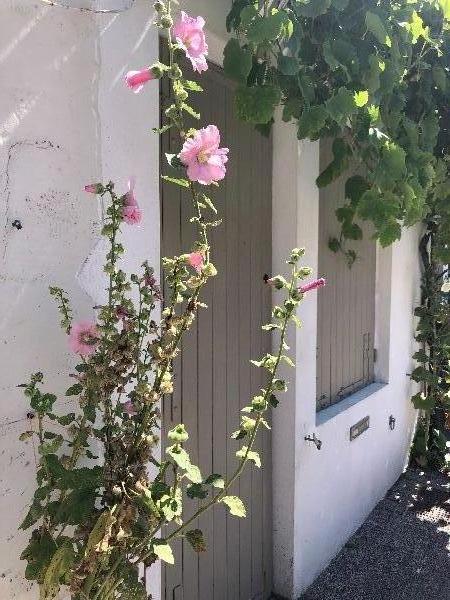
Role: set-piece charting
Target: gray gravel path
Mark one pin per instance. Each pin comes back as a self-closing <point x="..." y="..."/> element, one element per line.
<point x="402" y="551"/>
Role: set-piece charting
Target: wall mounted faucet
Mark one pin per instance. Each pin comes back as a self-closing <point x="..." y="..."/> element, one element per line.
<point x="315" y="440"/>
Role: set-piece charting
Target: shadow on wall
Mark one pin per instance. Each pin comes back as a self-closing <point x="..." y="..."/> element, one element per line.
<point x="98" y="6"/>
<point x="402" y="551"/>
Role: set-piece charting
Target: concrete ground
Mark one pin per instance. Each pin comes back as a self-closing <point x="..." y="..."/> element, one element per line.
<point x="402" y="551"/>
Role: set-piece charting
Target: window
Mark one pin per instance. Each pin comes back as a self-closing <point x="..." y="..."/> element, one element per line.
<point x="346" y="306"/>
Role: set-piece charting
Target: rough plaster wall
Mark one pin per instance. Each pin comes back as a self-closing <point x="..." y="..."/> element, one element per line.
<point x="65" y="120"/>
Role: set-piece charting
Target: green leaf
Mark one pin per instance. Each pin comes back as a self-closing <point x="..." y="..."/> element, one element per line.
<point x="440" y="77"/>
<point x="376" y="27"/>
<point x="252" y="455"/>
<point x="52" y="446"/>
<point x="288" y="65"/>
<point x="237" y="61"/>
<point x="60" y="565"/>
<point x="164" y="553"/>
<point x="38" y="553"/>
<point x="35" y="512"/>
<point x="334" y="245"/>
<point x="355" y="187"/>
<point x="192" y="86"/>
<point x="190" y="111"/>
<point x="341" y="105"/>
<point x="268" y="28"/>
<point x="215" y="480"/>
<point x="445" y="6"/>
<point x="422" y="402"/>
<point x="236" y="506"/>
<point x="392" y="167"/>
<point x="361" y="98"/>
<point x="311" y="122"/>
<point x="74" y="390"/>
<point x="25" y="435"/>
<point x="257" y="104"/>
<point x="99" y="536"/>
<point x="312" y="8"/>
<point x="196" y="490"/>
<point x="196" y="540"/>
<point x="176" y="181"/>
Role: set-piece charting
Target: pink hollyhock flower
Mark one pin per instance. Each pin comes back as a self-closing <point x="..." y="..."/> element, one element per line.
<point x="189" y="33"/>
<point x="204" y="160"/>
<point x="94" y="188"/>
<point x="196" y="260"/>
<point x="137" y="79"/>
<point x="131" y="213"/>
<point x="313" y="285"/>
<point x="129" y="408"/>
<point x="84" y="338"/>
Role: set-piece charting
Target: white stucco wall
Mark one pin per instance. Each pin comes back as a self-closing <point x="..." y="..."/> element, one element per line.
<point x="321" y="497"/>
<point x="66" y="119"/>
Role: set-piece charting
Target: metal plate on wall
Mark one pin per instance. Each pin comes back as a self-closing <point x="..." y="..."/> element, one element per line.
<point x="359" y="428"/>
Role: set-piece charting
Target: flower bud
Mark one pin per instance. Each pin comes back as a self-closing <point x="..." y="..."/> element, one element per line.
<point x="258" y="403"/>
<point x="94" y="188"/>
<point x="175" y="72"/>
<point x="248" y="424"/>
<point x="178" y="434"/>
<point x="166" y="21"/>
<point x="209" y="270"/>
<point x="159" y="6"/>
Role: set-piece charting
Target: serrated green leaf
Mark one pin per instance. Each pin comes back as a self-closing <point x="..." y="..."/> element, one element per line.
<point x="215" y="480"/>
<point x="60" y="565"/>
<point x="235" y="505"/>
<point x="257" y="104"/>
<point x="341" y="105"/>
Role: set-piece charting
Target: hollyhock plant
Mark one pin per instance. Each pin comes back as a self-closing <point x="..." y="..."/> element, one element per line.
<point x="137" y="79"/>
<point x="196" y="260"/>
<point x="204" y="160"/>
<point x="189" y="34"/>
<point x="132" y="214"/>
<point x="84" y="338"/>
<point x="313" y="285"/>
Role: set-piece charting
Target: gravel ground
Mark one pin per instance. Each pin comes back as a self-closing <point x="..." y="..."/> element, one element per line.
<point x="402" y="551"/>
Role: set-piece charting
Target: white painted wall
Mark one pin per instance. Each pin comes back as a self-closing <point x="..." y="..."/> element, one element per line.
<point x="321" y="497"/>
<point x="66" y="119"/>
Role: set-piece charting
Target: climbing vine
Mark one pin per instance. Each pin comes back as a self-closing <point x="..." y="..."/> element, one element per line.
<point x="373" y="75"/>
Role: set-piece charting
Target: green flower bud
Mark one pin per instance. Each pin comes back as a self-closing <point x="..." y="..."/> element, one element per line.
<point x="248" y="424"/>
<point x="178" y="434"/>
<point x="258" y="403"/>
<point x="175" y="72"/>
<point x="166" y="21"/>
<point x="159" y="6"/>
<point x="209" y="270"/>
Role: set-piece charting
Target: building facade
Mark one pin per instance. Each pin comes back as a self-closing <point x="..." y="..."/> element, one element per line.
<point x="66" y="119"/>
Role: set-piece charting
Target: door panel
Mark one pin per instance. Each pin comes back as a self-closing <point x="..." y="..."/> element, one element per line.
<point x="213" y="378"/>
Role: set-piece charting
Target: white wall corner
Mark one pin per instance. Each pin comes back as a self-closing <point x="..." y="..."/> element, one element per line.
<point x="295" y="224"/>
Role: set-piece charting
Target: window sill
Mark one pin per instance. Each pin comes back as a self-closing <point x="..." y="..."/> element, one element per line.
<point x="336" y="409"/>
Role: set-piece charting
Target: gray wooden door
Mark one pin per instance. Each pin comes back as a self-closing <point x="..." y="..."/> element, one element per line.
<point x="214" y="379"/>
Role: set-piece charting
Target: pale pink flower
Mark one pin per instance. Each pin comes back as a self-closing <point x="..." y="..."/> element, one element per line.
<point x="188" y="32"/>
<point x="84" y="338"/>
<point x="196" y="260"/>
<point x="204" y="160"/>
<point x="131" y="212"/>
<point x="313" y="285"/>
<point x="94" y="188"/>
<point x="129" y="408"/>
<point x="137" y="79"/>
